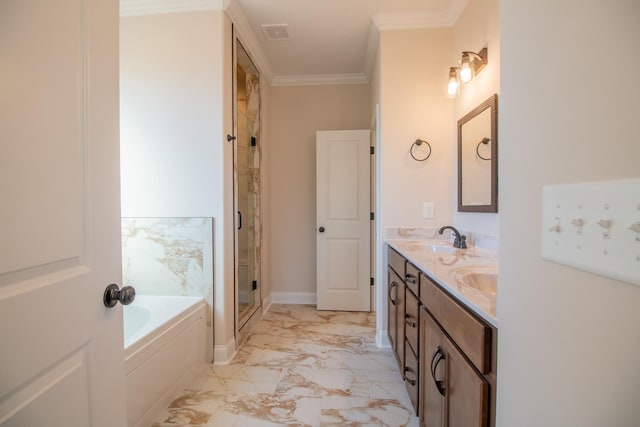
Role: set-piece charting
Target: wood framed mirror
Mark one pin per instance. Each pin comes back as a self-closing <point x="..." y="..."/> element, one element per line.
<point x="478" y="158"/>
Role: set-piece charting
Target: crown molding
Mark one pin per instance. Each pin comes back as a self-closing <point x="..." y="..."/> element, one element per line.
<point x="320" y="79"/>
<point x="248" y="38"/>
<point x="154" y="7"/>
<point x="408" y="21"/>
<point x="372" y="49"/>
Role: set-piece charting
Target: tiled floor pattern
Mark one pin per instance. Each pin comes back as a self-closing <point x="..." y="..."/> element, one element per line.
<point x="299" y="367"/>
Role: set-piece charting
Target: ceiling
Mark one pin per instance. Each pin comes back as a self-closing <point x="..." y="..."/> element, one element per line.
<point x="334" y="40"/>
<point x="330" y="41"/>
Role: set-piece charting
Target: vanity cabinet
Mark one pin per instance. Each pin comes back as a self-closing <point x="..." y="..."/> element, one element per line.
<point x="446" y="353"/>
<point x="458" y="375"/>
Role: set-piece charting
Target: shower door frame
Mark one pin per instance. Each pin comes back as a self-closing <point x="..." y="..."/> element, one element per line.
<point x="241" y="319"/>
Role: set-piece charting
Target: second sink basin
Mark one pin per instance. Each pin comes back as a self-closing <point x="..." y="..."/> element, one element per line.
<point x="486" y="283"/>
<point x="482" y="279"/>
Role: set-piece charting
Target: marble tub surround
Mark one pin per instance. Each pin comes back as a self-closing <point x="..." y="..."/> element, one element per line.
<point x="303" y="367"/>
<point x="170" y="257"/>
<point x="468" y="274"/>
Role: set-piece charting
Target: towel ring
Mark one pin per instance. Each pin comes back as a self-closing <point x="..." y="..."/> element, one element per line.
<point x="419" y="142"/>
<point x="484" y="141"/>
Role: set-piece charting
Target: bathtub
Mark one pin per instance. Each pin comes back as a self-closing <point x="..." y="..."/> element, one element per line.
<point x="164" y="348"/>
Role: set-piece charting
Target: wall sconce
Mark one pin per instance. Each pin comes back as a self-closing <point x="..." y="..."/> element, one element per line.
<point x="471" y="64"/>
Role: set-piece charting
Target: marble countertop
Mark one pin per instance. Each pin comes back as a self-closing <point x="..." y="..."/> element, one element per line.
<point x="459" y="271"/>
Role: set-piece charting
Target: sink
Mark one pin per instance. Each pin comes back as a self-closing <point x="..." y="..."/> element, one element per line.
<point x="438" y="248"/>
<point x="484" y="282"/>
<point x="430" y="247"/>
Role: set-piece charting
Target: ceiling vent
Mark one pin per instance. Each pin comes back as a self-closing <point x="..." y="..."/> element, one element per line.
<point x="275" y="31"/>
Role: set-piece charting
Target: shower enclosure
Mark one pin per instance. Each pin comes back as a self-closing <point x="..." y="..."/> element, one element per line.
<point x="247" y="186"/>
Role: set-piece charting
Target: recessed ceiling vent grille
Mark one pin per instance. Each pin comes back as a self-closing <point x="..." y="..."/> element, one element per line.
<point x="275" y="31"/>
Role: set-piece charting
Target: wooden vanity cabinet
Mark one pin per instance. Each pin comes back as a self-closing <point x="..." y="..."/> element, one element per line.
<point x="457" y="380"/>
<point x="446" y="353"/>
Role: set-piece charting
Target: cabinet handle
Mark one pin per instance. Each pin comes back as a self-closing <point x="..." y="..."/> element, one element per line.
<point x="409" y="322"/>
<point x="438" y="356"/>
<point x="393" y="285"/>
<point x="407" y="379"/>
<point x="410" y="278"/>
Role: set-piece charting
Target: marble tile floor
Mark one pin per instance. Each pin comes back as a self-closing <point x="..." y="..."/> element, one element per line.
<point x="299" y="367"/>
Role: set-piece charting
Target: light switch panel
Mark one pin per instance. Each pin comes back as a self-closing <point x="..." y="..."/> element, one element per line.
<point x="427" y="210"/>
<point x="594" y="227"/>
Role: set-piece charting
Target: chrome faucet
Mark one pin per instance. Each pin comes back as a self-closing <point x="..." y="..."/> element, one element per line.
<point x="460" y="240"/>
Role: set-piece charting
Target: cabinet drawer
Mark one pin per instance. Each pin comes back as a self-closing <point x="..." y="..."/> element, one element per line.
<point x="412" y="278"/>
<point x="470" y="334"/>
<point x="411" y="376"/>
<point x="397" y="262"/>
<point x="411" y="321"/>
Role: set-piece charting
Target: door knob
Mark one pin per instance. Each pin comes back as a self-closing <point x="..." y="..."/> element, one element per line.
<point x="112" y="295"/>
<point x="321" y="229"/>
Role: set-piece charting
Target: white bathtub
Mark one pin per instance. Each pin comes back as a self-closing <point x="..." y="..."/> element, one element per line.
<point x="164" y="348"/>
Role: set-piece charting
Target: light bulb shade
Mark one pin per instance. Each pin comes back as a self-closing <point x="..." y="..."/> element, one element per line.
<point x="466" y="72"/>
<point x="452" y="89"/>
<point x="453" y="86"/>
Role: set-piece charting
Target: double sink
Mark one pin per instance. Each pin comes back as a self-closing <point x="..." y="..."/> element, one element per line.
<point x="470" y="275"/>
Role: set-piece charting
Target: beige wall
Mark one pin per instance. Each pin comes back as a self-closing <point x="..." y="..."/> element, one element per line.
<point x="414" y="104"/>
<point x="478" y="26"/>
<point x="297" y="112"/>
<point x="569" y="350"/>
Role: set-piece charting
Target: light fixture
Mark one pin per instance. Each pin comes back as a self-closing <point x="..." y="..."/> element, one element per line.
<point x="452" y="87"/>
<point x="471" y="64"/>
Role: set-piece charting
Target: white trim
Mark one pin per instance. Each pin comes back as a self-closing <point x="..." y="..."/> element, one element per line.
<point x="223" y="354"/>
<point x="455" y="10"/>
<point x="266" y="304"/>
<point x="248" y="38"/>
<point x="306" y="298"/>
<point x="320" y="79"/>
<point x="153" y="7"/>
<point x="382" y="340"/>
<point x="372" y="49"/>
<point x="411" y="20"/>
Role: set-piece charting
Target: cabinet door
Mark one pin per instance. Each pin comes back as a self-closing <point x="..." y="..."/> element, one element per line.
<point x="467" y="391"/>
<point x="432" y="369"/>
<point x="400" y="323"/>
<point x="393" y="286"/>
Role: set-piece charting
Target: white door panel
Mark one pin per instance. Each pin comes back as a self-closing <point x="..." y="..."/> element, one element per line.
<point x="343" y="252"/>
<point x="61" y="359"/>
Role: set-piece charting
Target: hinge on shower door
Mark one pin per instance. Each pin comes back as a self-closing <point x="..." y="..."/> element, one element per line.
<point x="371" y="281"/>
<point x="254" y="285"/>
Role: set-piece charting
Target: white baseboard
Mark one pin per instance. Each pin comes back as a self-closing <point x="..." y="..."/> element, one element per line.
<point x="307" y="298"/>
<point x="382" y="340"/>
<point x="266" y="304"/>
<point x="223" y="354"/>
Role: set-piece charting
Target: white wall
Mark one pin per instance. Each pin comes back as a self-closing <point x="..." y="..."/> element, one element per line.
<point x="297" y="112"/>
<point x="569" y="346"/>
<point x="478" y="26"/>
<point x="175" y="112"/>
<point x="414" y="104"/>
<point x="170" y="86"/>
<point x="409" y="82"/>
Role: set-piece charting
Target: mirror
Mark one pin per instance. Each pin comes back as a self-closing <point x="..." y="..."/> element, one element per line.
<point x="478" y="158"/>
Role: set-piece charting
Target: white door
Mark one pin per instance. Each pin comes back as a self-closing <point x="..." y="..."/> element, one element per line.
<point x="61" y="351"/>
<point x="342" y="220"/>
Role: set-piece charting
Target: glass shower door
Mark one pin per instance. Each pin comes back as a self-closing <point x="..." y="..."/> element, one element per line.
<point x="247" y="171"/>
